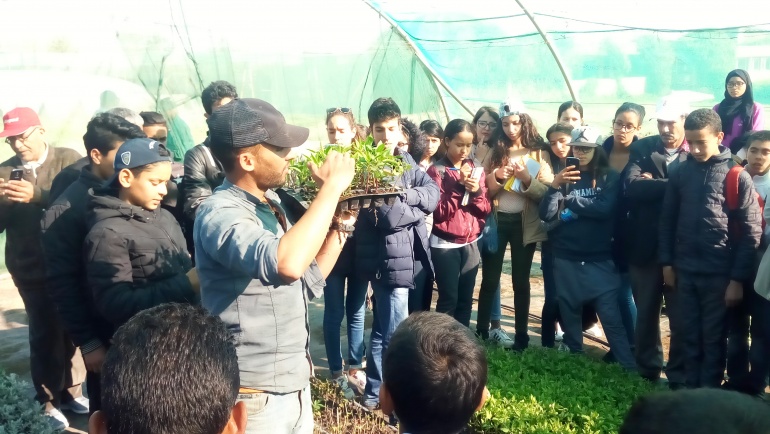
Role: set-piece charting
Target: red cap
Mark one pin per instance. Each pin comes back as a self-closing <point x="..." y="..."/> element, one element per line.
<point x="18" y="120"/>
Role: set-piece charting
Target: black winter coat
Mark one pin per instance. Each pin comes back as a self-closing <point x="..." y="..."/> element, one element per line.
<point x="202" y="174"/>
<point x="644" y="198"/>
<point x="64" y="227"/>
<point x="694" y="221"/>
<point x="135" y="259"/>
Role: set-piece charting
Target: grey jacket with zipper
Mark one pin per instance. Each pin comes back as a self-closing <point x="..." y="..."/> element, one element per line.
<point x="135" y="259"/>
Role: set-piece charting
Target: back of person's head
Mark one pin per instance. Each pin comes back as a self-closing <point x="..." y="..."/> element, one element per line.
<point x="107" y="131"/>
<point x="701" y="411"/>
<point x="152" y="118"/>
<point x="172" y="369"/>
<point x="703" y="118"/>
<point x="410" y="130"/>
<point x="435" y="375"/>
<point x="383" y="109"/>
<point x="213" y="94"/>
<point x="128" y="114"/>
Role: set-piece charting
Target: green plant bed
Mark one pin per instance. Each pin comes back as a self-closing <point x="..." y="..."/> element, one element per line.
<point x="548" y="391"/>
<point x="19" y="414"/>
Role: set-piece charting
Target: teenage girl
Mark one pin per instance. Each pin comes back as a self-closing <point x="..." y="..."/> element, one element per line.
<point x="570" y="112"/>
<point x="341" y="129"/>
<point x="738" y="111"/>
<point x="583" y="201"/>
<point x="517" y="143"/>
<point x="458" y="221"/>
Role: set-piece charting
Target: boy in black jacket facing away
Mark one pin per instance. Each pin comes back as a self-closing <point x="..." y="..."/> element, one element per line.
<point x="135" y="252"/>
<point x="702" y="260"/>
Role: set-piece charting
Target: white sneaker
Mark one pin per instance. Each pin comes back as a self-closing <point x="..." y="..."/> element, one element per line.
<point x="56" y="419"/>
<point x="595" y="331"/>
<point x="501" y="338"/>
<point x="357" y="382"/>
<point x="342" y="384"/>
<point x="559" y="333"/>
<point x="78" y="405"/>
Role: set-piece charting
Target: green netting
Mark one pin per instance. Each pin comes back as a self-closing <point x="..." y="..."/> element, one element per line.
<point x="70" y="60"/>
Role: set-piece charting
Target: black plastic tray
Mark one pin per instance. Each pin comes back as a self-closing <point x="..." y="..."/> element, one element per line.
<point x="298" y="204"/>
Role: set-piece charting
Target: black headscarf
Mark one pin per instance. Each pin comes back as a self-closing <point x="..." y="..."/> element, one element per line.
<point x="742" y="106"/>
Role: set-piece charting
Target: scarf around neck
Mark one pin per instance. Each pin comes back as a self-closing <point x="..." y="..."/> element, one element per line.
<point x="742" y="106"/>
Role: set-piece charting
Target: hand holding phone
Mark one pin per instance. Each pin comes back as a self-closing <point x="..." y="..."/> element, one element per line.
<point x="475" y="176"/>
<point x="573" y="161"/>
<point x="17" y="174"/>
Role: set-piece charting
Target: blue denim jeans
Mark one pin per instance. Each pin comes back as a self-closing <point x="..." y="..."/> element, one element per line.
<point x="550" y="314"/>
<point x="391" y="307"/>
<point x="353" y="307"/>
<point x="627" y="307"/>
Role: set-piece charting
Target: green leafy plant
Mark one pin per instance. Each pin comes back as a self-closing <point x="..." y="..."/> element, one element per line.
<point x="376" y="169"/>
<point x="19" y="414"/>
<point x="333" y="414"/>
<point x="548" y="391"/>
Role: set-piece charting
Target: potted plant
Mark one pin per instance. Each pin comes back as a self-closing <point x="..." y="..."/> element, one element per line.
<point x="374" y="182"/>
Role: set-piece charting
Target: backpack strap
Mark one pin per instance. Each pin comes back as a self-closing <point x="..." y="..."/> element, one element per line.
<point x="732" y="192"/>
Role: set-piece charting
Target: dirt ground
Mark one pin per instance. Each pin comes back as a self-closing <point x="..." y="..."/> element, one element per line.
<point x="14" y="349"/>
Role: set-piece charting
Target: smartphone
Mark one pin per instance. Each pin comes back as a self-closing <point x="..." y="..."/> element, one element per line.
<point x="476" y="173"/>
<point x="573" y="161"/>
<point x="17" y="174"/>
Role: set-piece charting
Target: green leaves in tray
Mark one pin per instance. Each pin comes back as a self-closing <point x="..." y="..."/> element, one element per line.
<point x="377" y="169"/>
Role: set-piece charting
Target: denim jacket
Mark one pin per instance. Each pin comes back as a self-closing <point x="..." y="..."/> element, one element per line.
<point x="236" y="245"/>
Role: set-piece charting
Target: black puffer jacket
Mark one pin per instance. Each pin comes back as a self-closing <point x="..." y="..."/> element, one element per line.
<point x="64" y="228"/>
<point x="694" y="220"/>
<point x="135" y="259"/>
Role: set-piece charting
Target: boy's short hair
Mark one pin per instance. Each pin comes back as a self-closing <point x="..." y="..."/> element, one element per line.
<point x="171" y="369"/>
<point x="703" y="118"/>
<point x="383" y="109"/>
<point x="435" y="372"/>
<point x="758" y="136"/>
<point x="702" y="411"/>
<point x="215" y="91"/>
<point x="106" y="130"/>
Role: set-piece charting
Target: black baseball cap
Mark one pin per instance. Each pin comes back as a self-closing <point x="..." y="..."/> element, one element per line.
<point x="249" y="121"/>
<point x="135" y="153"/>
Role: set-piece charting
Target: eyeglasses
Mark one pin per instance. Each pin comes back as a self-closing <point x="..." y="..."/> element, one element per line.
<point x="332" y="110"/>
<point x="582" y="149"/>
<point x="736" y="84"/>
<point x="22" y="138"/>
<point x="624" y="128"/>
<point x="485" y="124"/>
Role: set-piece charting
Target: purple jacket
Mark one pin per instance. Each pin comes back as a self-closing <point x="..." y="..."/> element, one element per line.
<point x="739" y="128"/>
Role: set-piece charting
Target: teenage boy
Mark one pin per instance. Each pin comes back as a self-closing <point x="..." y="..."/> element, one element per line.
<point x="644" y="184"/>
<point x="431" y="355"/>
<point x="134" y="252"/>
<point x="202" y="171"/>
<point x="64" y="227"/>
<point x="150" y="388"/>
<point x="752" y="315"/>
<point x="392" y="244"/>
<point x="55" y="364"/>
<point x="702" y="261"/>
<point x="259" y="265"/>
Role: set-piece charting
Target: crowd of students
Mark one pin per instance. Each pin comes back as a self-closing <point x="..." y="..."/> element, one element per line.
<point x="622" y="223"/>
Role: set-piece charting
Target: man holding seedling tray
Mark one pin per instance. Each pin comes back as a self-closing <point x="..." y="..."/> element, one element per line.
<point x="258" y="264"/>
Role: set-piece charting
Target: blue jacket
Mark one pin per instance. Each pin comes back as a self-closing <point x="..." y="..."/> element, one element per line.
<point x="389" y="239"/>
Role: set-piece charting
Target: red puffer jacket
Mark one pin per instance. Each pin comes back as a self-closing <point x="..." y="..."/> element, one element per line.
<point x="451" y="221"/>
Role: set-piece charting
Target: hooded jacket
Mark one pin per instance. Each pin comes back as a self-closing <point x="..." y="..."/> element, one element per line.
<point x="135" y="259"/>
<point x="694" y="220"/>
<point x="389" y="239"/>
<point x="64" y="227"/>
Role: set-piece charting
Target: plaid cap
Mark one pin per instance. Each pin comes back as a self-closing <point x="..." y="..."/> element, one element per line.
<point x="250" y="121"/>
<point x="135" y="153"/>
<point x="585" y="136"/>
